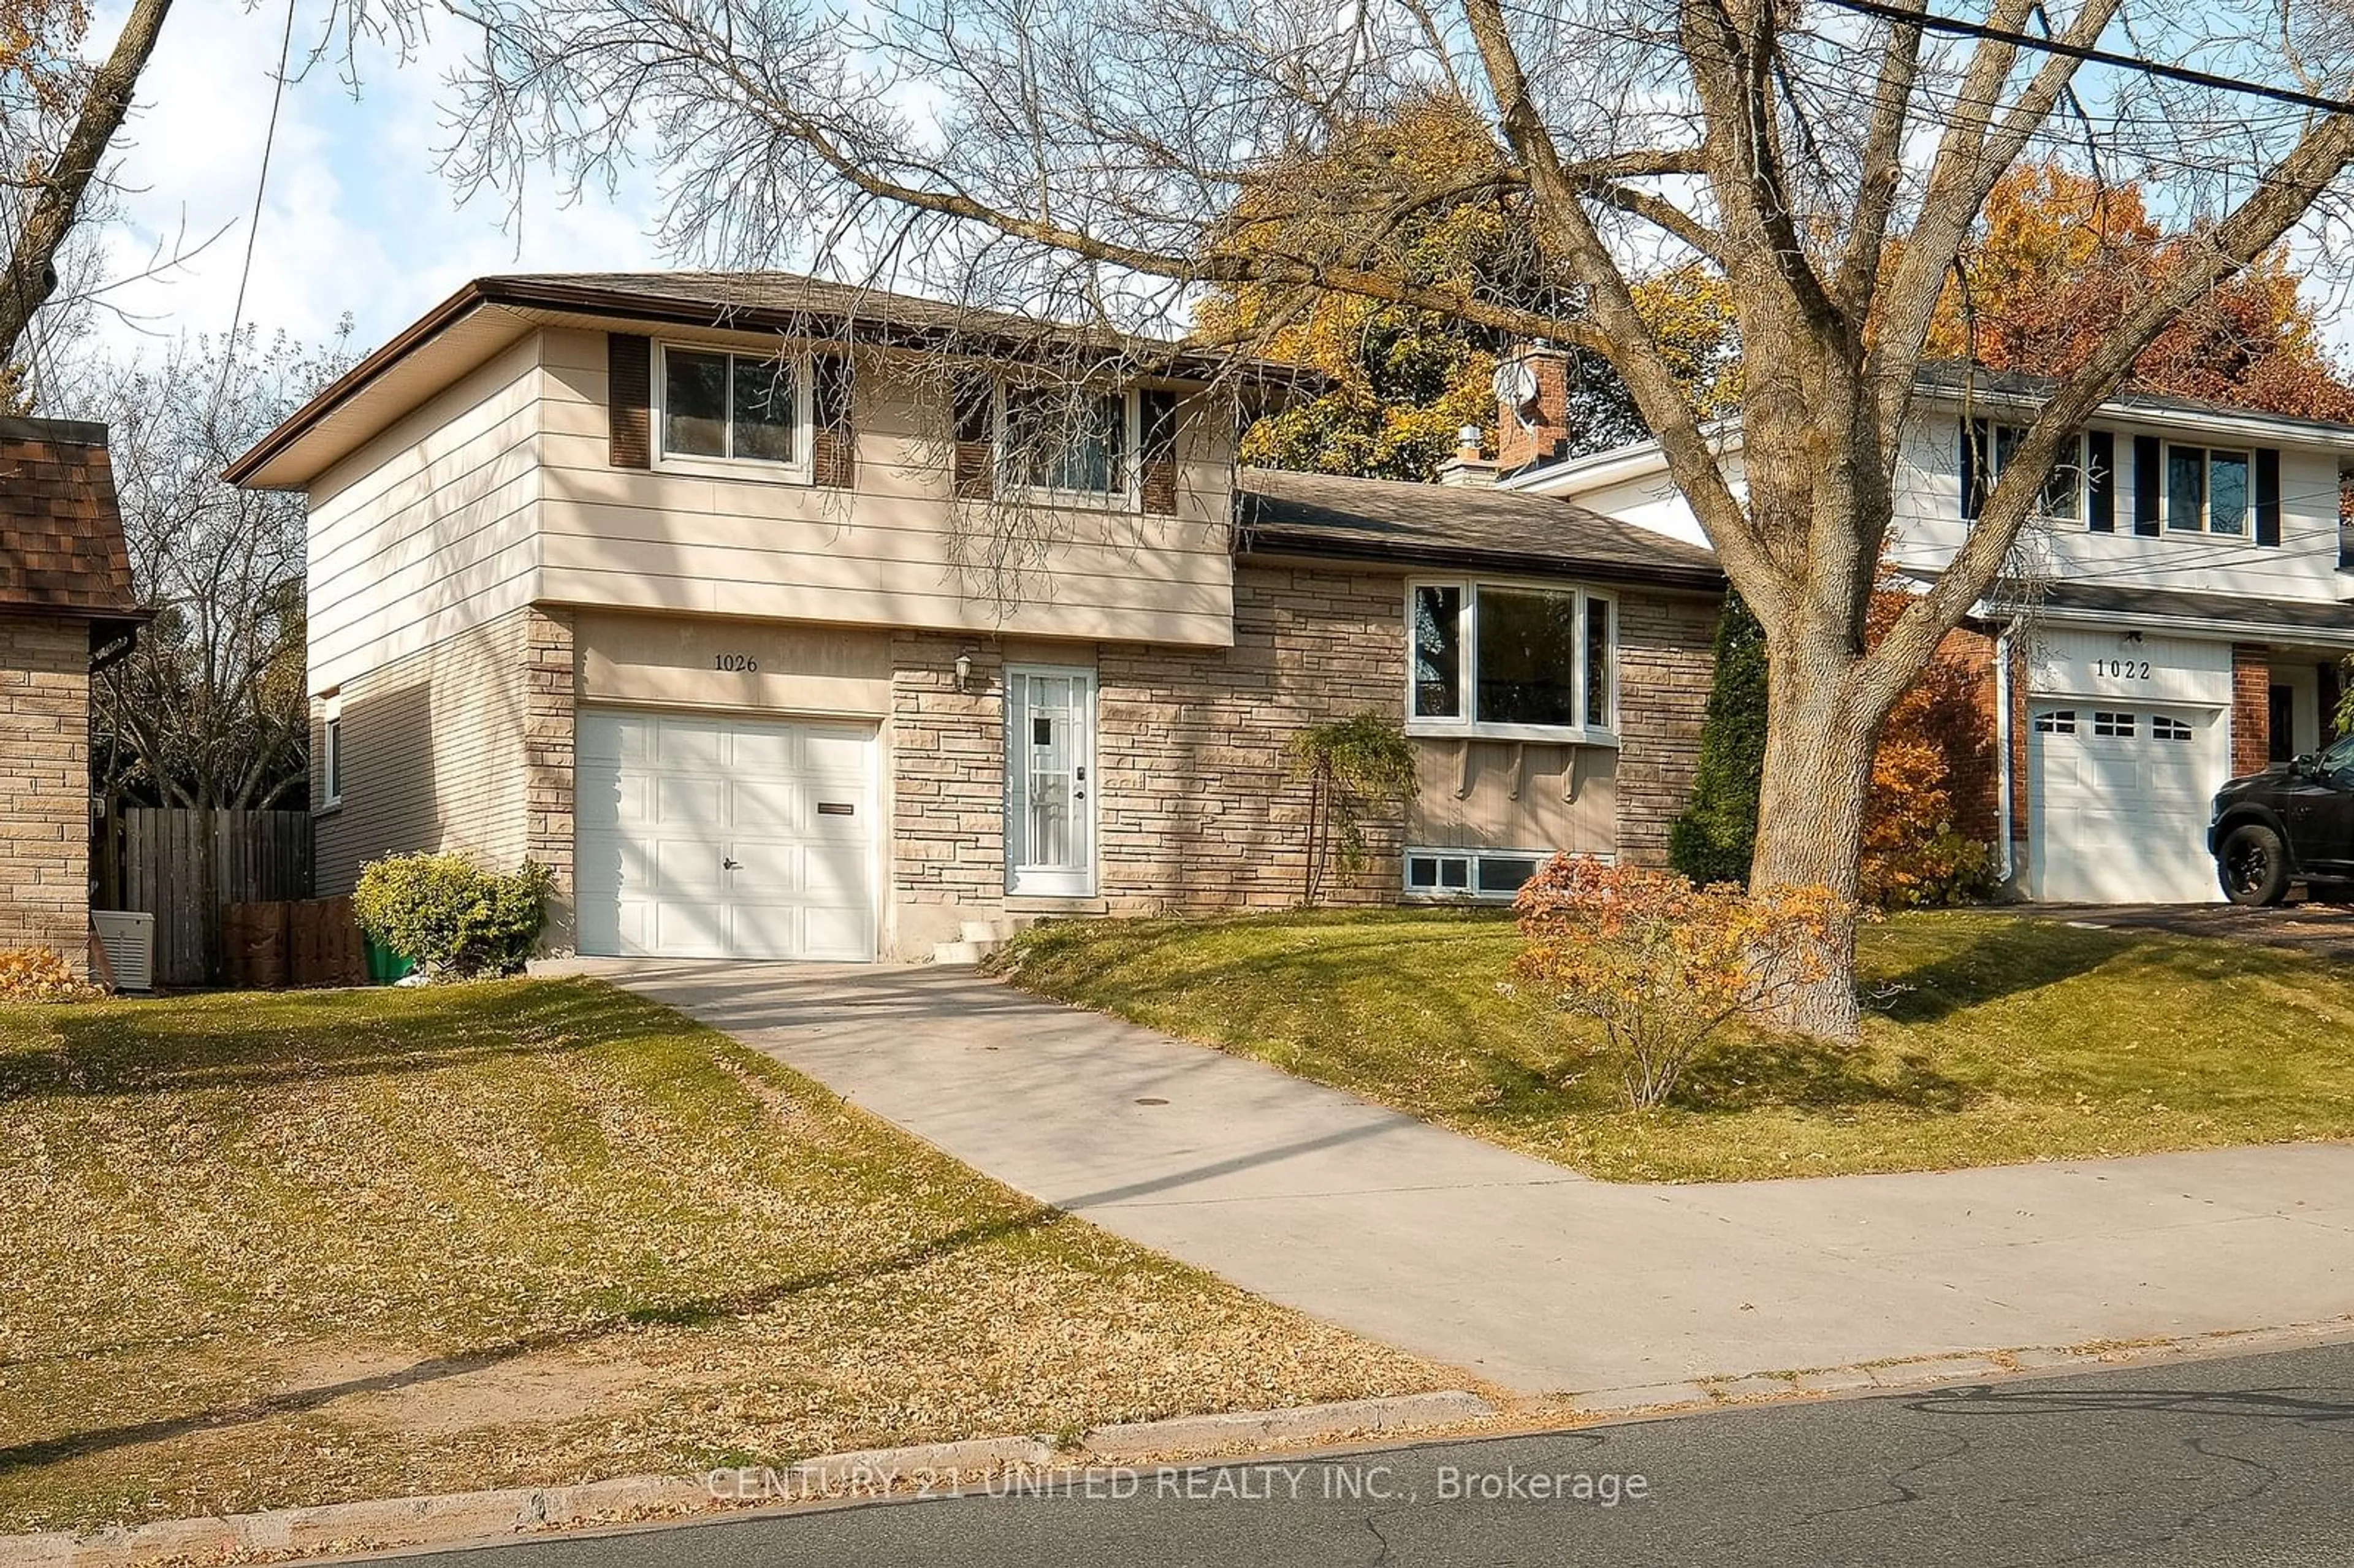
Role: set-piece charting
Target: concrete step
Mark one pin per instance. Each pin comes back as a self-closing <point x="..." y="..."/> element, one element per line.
<point x="966" y="953"/>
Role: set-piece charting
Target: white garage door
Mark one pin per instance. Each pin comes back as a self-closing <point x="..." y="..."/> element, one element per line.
<point x="724" y="838"/>
<point x="2118" y="802"/>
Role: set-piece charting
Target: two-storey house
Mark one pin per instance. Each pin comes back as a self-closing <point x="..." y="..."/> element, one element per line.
<point x="2180" y="614"/>
<point x="756" y="608"/>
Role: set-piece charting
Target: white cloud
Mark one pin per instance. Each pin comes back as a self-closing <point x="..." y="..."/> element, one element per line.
<point x="355" y="216"/>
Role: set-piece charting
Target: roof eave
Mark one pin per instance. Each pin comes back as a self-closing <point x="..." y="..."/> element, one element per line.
<point x="659" y="310"/>
<point x="1254" y="541"/>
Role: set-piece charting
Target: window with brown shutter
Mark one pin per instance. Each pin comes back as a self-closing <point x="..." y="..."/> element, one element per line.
<point x="975" y="477"/>
<point x="1157" y="450"/>
<point x="628" y="377"/>
<point x="833" y="443"/>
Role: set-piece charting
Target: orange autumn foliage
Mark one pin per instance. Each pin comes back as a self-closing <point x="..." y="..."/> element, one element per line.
<point x="1918" y="845"/>
<point x="2062" y="259"/>
<point x="1662" y="964"/>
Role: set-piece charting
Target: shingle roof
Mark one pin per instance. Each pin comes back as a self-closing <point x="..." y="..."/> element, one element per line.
<point x="1451" y="526"/>
<point x="60" y="532"/>
<point x="1951" y="378"/>
<point x="2331" y="622"/>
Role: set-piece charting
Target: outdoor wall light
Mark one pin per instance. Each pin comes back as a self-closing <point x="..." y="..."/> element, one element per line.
<point x="964" y="672"/>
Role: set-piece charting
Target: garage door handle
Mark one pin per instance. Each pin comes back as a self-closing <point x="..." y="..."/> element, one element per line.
<point x="729" y="865"/>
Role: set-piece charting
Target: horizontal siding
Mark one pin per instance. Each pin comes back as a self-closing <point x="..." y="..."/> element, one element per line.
<point x="2303" y="567"/>
<point x="882" y="555"/>
<point x="426" y="532"/>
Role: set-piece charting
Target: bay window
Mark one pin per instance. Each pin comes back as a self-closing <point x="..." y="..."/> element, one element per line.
<point x="1510" y="660"/>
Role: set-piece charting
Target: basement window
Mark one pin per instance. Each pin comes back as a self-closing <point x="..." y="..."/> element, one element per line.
<point x="1485" y="876"/>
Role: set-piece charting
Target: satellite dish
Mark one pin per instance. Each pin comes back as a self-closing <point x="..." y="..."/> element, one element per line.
<point x="1516" y="388"/>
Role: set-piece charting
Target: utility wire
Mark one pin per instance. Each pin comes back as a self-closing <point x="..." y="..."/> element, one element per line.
<point x="2196" y="77"/>
<point x="261" y="186"/>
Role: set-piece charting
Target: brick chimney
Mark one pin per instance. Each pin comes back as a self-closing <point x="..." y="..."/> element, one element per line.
<point x="1531" y="409"/>
<point x="1467" y="467"/>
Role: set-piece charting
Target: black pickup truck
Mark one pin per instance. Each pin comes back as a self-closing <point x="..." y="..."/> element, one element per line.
<point x="2293" y="822"/>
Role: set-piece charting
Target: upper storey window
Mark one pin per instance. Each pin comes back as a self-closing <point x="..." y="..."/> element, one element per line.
<point x="748" y="407"/>
<point x="1991" y="449"/>
<point x="2207" y="490"/>
<point x="1066" y="443"/>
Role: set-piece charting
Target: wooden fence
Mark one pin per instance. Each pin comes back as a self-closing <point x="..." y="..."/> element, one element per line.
<point x="185" y="865"/>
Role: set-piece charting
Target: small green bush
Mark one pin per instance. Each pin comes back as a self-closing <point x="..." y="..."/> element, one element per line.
<point x="1712" y="841"/>
<point x="452" y="915"/>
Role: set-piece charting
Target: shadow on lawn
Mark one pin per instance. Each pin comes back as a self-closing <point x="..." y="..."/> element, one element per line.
<point x="688" y="1314"/>
<point x="2002" y="959"/>
<point x="262" y="1041"/>
<point x="1812" y="1074"/>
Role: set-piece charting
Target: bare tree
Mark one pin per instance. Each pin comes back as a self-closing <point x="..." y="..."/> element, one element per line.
<point x="59" y="114"/>
<point x="209" y="708"/>
<point x="1827" y="158"/>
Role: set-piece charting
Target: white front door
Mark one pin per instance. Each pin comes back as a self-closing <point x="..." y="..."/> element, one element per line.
<point x="2117" y="800"/>
<point x="1050" y="839"/>
<point x="724" y="838"/>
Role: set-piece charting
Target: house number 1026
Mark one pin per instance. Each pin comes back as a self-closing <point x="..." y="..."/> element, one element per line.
<point x="736" y="664"/>
<point x="2125" y="669"/>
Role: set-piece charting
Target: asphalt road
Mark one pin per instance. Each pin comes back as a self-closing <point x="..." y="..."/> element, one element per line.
<point x="2241" y="1461"/>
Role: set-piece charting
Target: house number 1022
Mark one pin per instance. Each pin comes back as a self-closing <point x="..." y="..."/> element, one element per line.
<point x="2124" y="669"/>
<point x="736" y="664"/>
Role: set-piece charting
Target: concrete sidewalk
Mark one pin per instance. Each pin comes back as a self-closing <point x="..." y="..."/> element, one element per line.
<point x="1525" y="1272"/>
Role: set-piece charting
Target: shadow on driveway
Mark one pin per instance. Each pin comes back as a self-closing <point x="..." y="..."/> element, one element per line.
<point x="2325" y="929"/>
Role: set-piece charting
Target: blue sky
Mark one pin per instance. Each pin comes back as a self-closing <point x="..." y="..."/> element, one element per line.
<point x="356" y="218"/>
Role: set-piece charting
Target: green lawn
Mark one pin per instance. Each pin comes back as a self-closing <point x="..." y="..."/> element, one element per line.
<point x="270" y="1250"/>
<point x="1990" y="1038"/>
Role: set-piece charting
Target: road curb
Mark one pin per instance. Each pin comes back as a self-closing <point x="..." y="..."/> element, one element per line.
<point x="400" y="1523"/>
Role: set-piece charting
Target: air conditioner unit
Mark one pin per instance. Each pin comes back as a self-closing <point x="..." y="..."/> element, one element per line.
<point x="128" y="936"/>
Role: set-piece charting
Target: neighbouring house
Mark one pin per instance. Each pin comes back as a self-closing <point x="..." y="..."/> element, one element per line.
<point x="2180" y="615"/>
<point x="789" y="621"/>
<point x="66" y="608"/>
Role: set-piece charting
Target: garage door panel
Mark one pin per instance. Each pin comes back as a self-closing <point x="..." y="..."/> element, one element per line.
<point x="767" y="931"/>
<point x="835" y="873"/>
<point x="665" y="801"/>
<point x="831" y="933"/>
<point x="834" y="754"/>
<point x="689" y="801"/>
<point x="688" y="929"/>
<point x="757" y="808"/>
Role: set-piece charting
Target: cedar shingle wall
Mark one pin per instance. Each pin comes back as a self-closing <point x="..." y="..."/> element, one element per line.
<point x="44" y="778"/>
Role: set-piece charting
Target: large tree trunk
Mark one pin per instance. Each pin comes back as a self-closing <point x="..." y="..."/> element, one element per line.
<point x="1818" y="745"/>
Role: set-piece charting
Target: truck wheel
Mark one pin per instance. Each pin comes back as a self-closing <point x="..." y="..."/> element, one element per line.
<point x="2253" y="865"/>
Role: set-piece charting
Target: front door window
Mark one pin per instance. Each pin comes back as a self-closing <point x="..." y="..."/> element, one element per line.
<point x="1049" y="759"/>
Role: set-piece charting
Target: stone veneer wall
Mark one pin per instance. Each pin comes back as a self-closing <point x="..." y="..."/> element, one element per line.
<point x="1196" y="812"/>
<point x="45" y="772"/>
<point x="1667" y="661"/>
<point x="1199" y="813"/>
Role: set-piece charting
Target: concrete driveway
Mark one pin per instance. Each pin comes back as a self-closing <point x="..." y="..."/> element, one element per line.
<point x="1525" y="1272"/>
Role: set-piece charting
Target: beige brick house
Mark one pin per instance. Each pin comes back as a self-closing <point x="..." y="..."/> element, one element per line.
<point x="754" y="607"/>
<point x="66" y="606"/>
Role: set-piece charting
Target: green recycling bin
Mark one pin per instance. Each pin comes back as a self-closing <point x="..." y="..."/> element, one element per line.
<point x="383" y="965"/>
